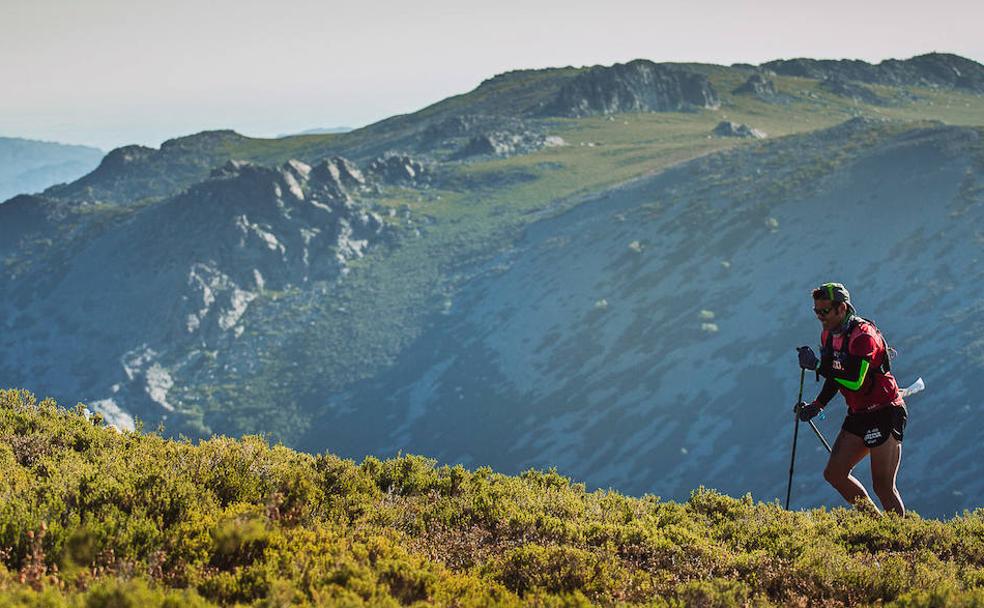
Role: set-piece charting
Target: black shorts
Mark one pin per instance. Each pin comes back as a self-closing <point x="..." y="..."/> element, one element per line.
<point x="875" y="427"/>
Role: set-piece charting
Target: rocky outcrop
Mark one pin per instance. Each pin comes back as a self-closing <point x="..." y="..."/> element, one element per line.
<point x="852" y="90"/>
<point x="160" y="288"/>
<point x="125" y="158"/>
<point x="759" y="86"/>
<point x="637" y="86"/>
<point x="396" y="169"/>
<point x="727" y="128"/>
<point x="932" y="70"/>
<point x="502" y="144"/>
<point x="291" y="224"/>
<point x="476" y="135"/>
<point x="452" y="130"/>
<point x="338" y="175"/>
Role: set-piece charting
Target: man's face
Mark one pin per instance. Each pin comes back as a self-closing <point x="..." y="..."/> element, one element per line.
<point x="830" y="314"/>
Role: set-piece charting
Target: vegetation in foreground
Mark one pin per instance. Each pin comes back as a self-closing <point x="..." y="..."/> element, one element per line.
<point x="90" y="516"/>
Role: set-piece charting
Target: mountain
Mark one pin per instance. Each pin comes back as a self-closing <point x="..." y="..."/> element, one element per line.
<point x="32" y="166"/>
<point x="524" y="275"/>
<point x="135" y="172"/>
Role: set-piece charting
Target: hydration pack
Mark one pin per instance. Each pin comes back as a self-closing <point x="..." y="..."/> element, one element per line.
<point x="827" y="350"/>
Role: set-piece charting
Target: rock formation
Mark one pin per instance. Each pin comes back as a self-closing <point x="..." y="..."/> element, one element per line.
<point x="931" y="70"/>
<point x="397" y="169"/>
<point x="727" y="128"/>
<point x="851" y="90"/>
<point x="499" y="143"/>
<point x="637" y="86"/>
<point x="758" y="86"/>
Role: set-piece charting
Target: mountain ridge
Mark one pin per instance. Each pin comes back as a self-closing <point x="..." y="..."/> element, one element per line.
<point x="31" y="166"/>
<point x="212" y="285"/>
<point x="518" y="94"/>
<point x="931" y="69"/>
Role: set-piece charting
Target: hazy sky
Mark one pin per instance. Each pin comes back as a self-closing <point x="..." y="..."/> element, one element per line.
<point x="112" y="72"/>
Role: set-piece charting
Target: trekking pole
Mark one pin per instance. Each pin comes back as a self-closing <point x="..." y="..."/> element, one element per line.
<point x="796" y="428"/>
<point x="820" y="436"/>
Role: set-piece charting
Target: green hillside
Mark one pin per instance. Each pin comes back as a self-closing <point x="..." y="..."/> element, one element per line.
<point x="469" y="212"/>
<point x="390" y="296"/>
<point x="90" y="516"/>
<point x="802" y="105"/>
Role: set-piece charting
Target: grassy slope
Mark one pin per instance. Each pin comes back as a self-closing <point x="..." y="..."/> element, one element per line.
<point x="388" y="299"/>
<point x="481" y="208"/>
<point x="90" y="516"/>
<point x="510" y="94"/>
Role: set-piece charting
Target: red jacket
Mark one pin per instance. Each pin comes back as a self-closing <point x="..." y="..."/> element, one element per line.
<point x="858" y="375"/>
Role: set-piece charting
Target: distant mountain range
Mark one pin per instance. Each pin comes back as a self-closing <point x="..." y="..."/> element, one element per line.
<point x="602" y="269"/>
<point x="32" y="166"/>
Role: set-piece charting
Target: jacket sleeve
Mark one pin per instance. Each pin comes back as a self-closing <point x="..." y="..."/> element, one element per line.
<point x="861" y="353"/>
<point x="828" y="392"/>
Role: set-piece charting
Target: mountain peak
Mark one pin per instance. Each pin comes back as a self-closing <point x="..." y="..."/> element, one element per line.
<point x="203" y="139"/>
<point x="135" y="172"/>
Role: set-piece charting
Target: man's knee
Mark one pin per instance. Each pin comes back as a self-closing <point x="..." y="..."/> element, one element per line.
<point x="835" y="475"/>
<point x="884" y="485"/>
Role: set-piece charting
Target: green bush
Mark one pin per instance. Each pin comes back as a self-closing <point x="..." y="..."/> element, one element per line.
<point x="90" y="516"/>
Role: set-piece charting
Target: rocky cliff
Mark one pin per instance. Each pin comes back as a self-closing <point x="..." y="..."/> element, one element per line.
<point x="166" y="283"/>
<point x="931" y="70"/>
<point x="637" y="86"/>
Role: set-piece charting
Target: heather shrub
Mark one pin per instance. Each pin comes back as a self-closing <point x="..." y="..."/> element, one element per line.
<point x="91" y="516"/>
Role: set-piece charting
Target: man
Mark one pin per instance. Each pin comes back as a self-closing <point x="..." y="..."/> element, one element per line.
<point x="855" y="360"/>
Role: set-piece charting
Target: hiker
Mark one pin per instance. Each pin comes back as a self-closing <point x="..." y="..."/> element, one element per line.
<point x="856" y="360"/>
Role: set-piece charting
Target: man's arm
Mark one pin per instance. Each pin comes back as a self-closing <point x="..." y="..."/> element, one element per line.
<point x="828" y="392"/>
<point x="856" y="363"/>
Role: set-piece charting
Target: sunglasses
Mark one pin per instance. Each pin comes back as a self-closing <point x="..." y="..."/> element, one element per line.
<point x="823" y="312"/>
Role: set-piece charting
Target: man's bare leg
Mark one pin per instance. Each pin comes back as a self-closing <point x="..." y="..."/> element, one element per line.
<point x="885" y="461"/>
<point x="848" y="451"/>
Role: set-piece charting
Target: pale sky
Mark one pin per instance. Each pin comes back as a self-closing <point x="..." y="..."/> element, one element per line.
<point x="114" y="72"/>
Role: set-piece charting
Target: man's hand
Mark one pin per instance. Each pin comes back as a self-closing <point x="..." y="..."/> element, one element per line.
<point x="807" y="411"/>
<point x="807" y="358"/>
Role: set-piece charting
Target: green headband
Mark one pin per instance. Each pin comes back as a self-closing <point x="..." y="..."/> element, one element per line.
<point x="835" y="292"/>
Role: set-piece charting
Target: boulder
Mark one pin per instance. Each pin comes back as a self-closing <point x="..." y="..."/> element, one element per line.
<point x="489" y="144"/>
<point x="338" y="175"/>
<point x="397" y="169"/>
<point x="466" y="125"/>
<point x="759" y="86"/>
<point x="499" y="143"/>
<point x="726" y="128"/>
<point x="852" y="90"/>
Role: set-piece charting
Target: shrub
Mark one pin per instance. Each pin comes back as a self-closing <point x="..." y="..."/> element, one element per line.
<point x="92" y="516"/>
